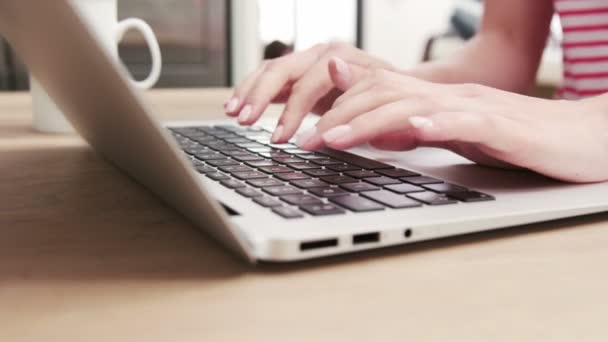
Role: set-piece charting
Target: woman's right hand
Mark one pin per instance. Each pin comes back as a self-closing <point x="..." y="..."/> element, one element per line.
<point x="302" y="81"/>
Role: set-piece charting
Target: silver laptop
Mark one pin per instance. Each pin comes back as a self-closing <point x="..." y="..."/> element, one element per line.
<point x="274" y="202"/>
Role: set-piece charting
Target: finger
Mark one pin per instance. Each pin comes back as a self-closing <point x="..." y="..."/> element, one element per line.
<point x="467" y="127"/>
<point x="269" y="84"/>
<point x="326" y="102"/>
<point x="306" y="93"/>
<point x="343" y="75"/>
<point x="388" y="119"/>
<point x="377" y="78"/>
<point x="234" y="103"/>
<point x="344" y="113"/>
<point x="401" y="141"/>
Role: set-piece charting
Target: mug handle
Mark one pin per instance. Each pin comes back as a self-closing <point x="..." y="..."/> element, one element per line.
<point x="150" y="38"/>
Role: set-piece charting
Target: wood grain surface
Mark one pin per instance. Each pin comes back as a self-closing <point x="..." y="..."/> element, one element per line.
<point x="87" y="255"/>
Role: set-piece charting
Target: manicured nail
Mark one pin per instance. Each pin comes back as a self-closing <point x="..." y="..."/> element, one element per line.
<point x="277" y="135"/>
<point x="232" y="105"/>
<point x="245" y="114"/>
<point x="305" y="136"/>
<point x="341" y="66"/>
<point x="337" y="133"/>
<point x="420" y="122"/>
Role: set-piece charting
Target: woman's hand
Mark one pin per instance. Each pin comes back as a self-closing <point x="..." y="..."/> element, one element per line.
<point x="301" y="80"/>
<point x="566" y="140"/>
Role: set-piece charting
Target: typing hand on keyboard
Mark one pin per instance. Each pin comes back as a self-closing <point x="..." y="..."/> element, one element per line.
<point x="560" y="139"/>
<point x="301" y="81"/>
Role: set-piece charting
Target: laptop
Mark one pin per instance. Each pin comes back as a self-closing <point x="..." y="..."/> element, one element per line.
<point x="267" y="202"/>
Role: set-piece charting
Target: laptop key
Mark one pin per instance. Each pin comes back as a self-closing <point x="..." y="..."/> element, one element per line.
<point x="357" y="203"/>
<point x="287" y="160"/>
<point x="265" y="183"/>
<point x="195" y="162"/>
<point x="362" y="174"/>
<point x="404" y="188"/>
<point x="205" y="169"/>
<point x="328" y="161"/>
<point x="282" y="190"/>
<point x="249" y="175"/>
<point x="328" y="192"/>
<point x="288" y="212"/>
<point x="361" y="162"/>
<point x="259" y="149"/>
<point x="303" y="166"/>
<point x="398" y="173"/>
<point x="275" y="169"/>
<point x="222" y="162"/>
<point x="322" y="209"/>
<point x="432" y="198"/>
<point x="218" y="176"/>
<point x="248" y="158"/>
<point x="422" y="180"/>
<point x="445" y="188"/>
<point x="267" y="201"/>
<point x="391" y="199"/>
<point x="312" y="156"/>
<point x="301" y="199"/>
<point x="382" y="180"/>
<point x="359" y="187"/>
<point x="261" y="163"/>
<point x="320" y="172"/>
<point x="309" y="183"/>
<point x="343" y="167"/>
<point x="235" y="168"/>
<point x="249" y="192"/>
<point x="291" y="176"/>
<point x="338" y="179"/>
<point x="210" y="156"/>
<point x="297" y="151"/>
<point x="471" y="196"/>
<point x="236" y="152"/>
<point x="232" y="184"/>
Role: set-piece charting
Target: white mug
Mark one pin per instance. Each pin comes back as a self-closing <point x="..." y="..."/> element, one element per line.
<point x="102" y="18"/>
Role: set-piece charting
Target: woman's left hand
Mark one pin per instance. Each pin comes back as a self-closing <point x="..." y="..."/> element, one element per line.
<point x="567" y="140"/>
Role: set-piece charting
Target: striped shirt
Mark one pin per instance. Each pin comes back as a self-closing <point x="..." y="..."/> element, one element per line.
<point x="585" y="45"/>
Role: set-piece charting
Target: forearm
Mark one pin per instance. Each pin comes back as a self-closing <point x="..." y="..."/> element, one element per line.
<point x="487" y="59"/>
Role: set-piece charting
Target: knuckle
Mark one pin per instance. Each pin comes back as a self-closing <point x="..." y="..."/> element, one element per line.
<point x="470" y="89"/>
<point x="380" y="75"/>
<point x="297" y="88"/>
<point x="320" y="46"/>
<point x="338" y="47"/>
<point x="272" y="65"/>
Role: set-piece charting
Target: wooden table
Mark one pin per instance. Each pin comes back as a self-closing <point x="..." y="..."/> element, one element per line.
<point x="87" y="255"/>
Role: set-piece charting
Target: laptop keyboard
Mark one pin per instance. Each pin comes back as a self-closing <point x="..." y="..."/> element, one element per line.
<point x="294" y="183"/>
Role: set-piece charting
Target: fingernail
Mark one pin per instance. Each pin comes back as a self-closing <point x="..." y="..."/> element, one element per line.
<point x="232" y="105"/>
<point x="278" y="134"/>
<point x="305" y="136"/>
<point x="337" y="133"/>
<point x="341" y="66"/>
<point x="245" y="114"/>
<point x="420" y="122"/>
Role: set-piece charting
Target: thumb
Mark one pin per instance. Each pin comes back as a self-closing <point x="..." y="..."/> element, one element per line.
<point x="468" y="127"/>
<point x="344" y="75"/>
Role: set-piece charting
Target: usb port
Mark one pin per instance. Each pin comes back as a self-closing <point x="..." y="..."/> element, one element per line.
<point x="307" y="246"/>
<point x="366" y="238"/>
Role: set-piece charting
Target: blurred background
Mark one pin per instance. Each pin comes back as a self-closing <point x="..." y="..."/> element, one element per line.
<point x="215" y="43"/>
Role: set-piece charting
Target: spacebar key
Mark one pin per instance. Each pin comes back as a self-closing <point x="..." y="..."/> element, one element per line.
<point x="362" y="162"/>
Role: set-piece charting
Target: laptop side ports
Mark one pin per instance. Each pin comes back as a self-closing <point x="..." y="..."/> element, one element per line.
<point x="359" y="239"/>
<point x="318" y="244"/>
